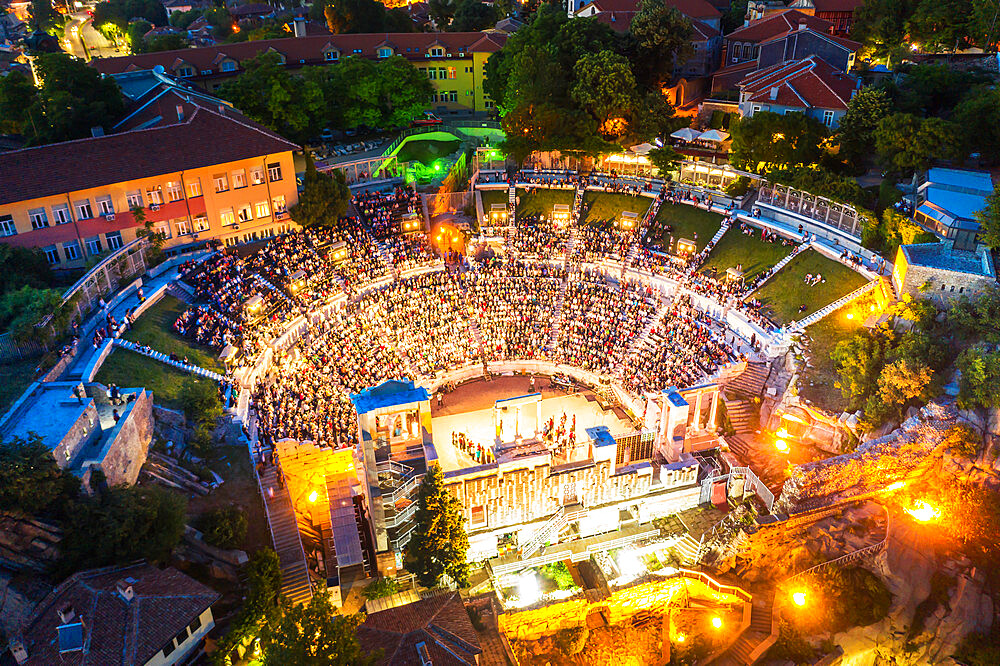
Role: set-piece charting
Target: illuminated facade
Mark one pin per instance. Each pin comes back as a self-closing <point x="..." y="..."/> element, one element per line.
<point x="211" y="175"/>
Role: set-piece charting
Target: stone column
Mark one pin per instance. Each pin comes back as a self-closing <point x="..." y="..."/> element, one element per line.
<point x="713" y="413"/>
<point x="538" y="416"/>
<point x="697" y="411"/>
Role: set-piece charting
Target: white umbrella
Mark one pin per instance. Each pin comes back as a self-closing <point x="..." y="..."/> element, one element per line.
<point x="717" y="136"/>
<point x="642" y="148"/>
<point x="685" y="134"/>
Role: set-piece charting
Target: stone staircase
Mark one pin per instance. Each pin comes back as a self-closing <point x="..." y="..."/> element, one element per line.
<point x="557" y="317"/>
<point x="799" y="326"/>
<point x="180" y="291"/>
<point x="642" y="340"/>
<point x="687" y="548"/>
<point x="719" y="234"/>
<point x="749" y="384"/>
<point x="741" y="416"/>
<point x="756" y="639"/>
<point x="383" y="253"/>
<point x="164" y="358"/>
<point x="512" y="202"/>
<point x="270" y="287"/>
<point x="739" y="446"/>
<point x="285" y="535"/>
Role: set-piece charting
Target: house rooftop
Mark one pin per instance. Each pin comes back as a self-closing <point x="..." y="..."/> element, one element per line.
<point x="205" y="138"/>
<point x="115" y="631"/>
<point x="777" y="24"/>
<point x="942" y="256"/>
<point x="807" y="83"/>
<point x="438" y="627"/>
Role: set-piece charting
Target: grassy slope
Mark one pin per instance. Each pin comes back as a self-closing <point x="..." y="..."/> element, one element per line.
<point x="127" y="368"/>
<point x="688" y="222"/>
<point x="155" y="328"/>
<point x="540" y="201"/>
<point x="608" y="206"/>
<point x="17" y="375"/>
<point x="785" y="292"/>
<point x="754" y="254"/>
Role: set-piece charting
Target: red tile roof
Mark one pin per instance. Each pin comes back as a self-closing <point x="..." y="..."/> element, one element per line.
<point x="808" y="83"/>
<point x="307" y="50"/>
<point x="776" y="25"/>
<point x="696" y="9"/>
<point x="840" y="41"/>
<point x="837" y="5"/>
<point x="116" y="631"/>
<point x="440" y="622"/>
<point x="203" y="139"/>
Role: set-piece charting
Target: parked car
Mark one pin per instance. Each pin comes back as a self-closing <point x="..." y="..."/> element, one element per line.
<point x="427" y="119"/>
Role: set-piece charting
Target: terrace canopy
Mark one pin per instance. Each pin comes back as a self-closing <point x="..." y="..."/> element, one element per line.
<point x="685" y="134"/>
<point x="715" y="136"/>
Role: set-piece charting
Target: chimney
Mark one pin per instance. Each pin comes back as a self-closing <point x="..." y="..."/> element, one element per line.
<point x="180" y="112"/>
<point x="774" y="92"/>
<point x="66" y="613"/>
<point x="802" y="23"/>
<point x="299" y="26"/>
<point x="96" y="131"/>
<point x="222" y="109"/>
<point x="124" y="590"/>
<point x="17" y="649"/>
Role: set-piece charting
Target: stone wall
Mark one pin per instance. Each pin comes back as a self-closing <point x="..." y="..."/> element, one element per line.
<point x="84" y="431"/>
<point x="128" y="443"/>
<point x="658" y="595"/>
<point x="943" y="285"/>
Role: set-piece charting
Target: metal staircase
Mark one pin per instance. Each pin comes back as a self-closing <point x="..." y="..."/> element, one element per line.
<point x="798" y="326"/>
<point x="774" y="271"/>
<point x="163" y="358"/>
<point x="512" y="202"/>
<point x="550" y="531"/>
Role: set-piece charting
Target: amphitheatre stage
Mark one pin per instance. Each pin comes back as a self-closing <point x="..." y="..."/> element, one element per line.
<point x="469" y="409"/>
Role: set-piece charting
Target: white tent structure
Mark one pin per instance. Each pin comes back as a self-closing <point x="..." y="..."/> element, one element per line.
<point x="715" y="136"/>
<point x="685" y="134"/>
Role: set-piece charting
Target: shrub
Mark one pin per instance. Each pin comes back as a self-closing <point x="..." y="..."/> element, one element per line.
<point x="559" y="574"/>
<point x="571" y="641"/>
<point x="223" y="528"/>
<point x="383" y="587"/>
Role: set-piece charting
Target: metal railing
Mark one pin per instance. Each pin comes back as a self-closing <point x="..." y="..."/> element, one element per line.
<point x="837" y="215"/>
<point x="851" y="557"/>
<point x="124" y="264"/>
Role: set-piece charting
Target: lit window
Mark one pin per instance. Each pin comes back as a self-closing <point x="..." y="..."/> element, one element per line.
<point x="226" y="217"/>
<point x="331" y="56"/>
<point x="452" y="73"/>
<point x="384" y="52"/>
<point x="201" y="223"/>
<point x="257" y="176"/>
<point x="828" y="118"/>
<point x="279" y="203"/>
<point x="174" y="191"/>
<point x="239" y="179"/>
<point x="432" y="74"/>
<point x="39" y="220"/>
<point x="245" y="214"/>
<point x="154" y="196"/>
<point x="183" y="226"/>
<point x="194" y="188"/>
<point x="274" y="171"/>
<point x="221" y="184"/>
<point x="262" y="209"/>
<point x="228" y="66"/>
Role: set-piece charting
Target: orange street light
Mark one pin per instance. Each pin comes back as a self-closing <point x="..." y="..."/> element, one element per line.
<point x="717" y="622"/>
<point x="681" y="638"/>
<point x="781" y="445"/>
<point x="923" y="512"/>
<point x="313" y="496"/>
<point x="799" y="598"/>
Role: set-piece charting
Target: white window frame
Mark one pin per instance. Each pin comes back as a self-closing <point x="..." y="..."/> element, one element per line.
<point x="72" y="250"/>
<point x="174" y="190"/>
<point x="61" y="214"/>
<point x="94" y="246"/>
<point x="227" y="217"/>
<point x="262" y="209"/>
<point x="201" y="223"/>
<point x="51" y="254"/>
<point x="39" y="220"/>
<point x="257" y="176"/>
<point x="221" y="183"/>
<point x="384" y="52"/>
<point x="828" y="117"/>
<point x="194" y="188"/>
<point x="154" y="195"/>
<point x="274" y="172"/>
<point x="163" y="227"/>
<point x="114" y="240"/>
<point x="7" y="226"/>
<point x="134" y="199"/>
<point x="245" y="213"/>
<point x="84" y="211"/>
<point x="239" y="179"/>
<point x="183" y="226"/>
<point x="105" y="206"/>
<point x="278" y="204"/>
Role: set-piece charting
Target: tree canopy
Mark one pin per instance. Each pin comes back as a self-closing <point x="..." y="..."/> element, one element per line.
<point x="324" y="197"/>
<point x="30" y="479"/>
<point x="768" y="140"/>
<point x="906" y="143"/>
<point x="857" y="127"/>
<point x="989" y="220"/>
<point x="73" y="98"/>
<point x="578" y="87"/>
<point x="133" y="523"/>
<point x="313" y="634"/>
<point x="115" y="15"/>
<point x="439" y="544"/>
<point x="351" y="16"/>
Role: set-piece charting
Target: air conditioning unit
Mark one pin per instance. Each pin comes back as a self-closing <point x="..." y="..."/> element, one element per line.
<point x="110" y="217"/>
<point x="449" y="55"/>
<point x="154" y="206"/>
<point x="427" y="55"/>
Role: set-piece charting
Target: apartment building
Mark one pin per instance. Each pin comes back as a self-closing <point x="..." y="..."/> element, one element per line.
<point x="455" y="62"/>
<point x="207" y="173"/>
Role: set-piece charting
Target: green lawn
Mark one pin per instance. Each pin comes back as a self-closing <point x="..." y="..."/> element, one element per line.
<point x="603" y="207"/>
<point x="491" y="197"/>
<point x="426" y="151"/>
<point x="688" y="222"/>
<point x="17" y="375"/>
<point x="751" y="252"/>
<point x="129" y="369"/>
<point x="785" y="292"/>
<point x="541" y="200"/>
<point x="818" y="374"/>
<point x="155" y="328"/>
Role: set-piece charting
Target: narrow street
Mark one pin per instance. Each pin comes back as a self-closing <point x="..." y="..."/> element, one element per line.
<point x="84" y="41"/>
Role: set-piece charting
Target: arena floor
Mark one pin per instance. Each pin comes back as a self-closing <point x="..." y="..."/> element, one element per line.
<point x="469" y="409"/>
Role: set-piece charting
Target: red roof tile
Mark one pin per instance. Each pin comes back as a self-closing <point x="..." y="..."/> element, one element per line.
<point x="775" y="25"/>
<point x="308" y="50"/>
<point x="808" y="83"/>
<point x="837" y="5"/>
<point x="117" y="632"/>
<point x="440" y="622"/>
<point x="696" y="9"/>
<point x="203" y="139"/>
<point x="841" y="41"/>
